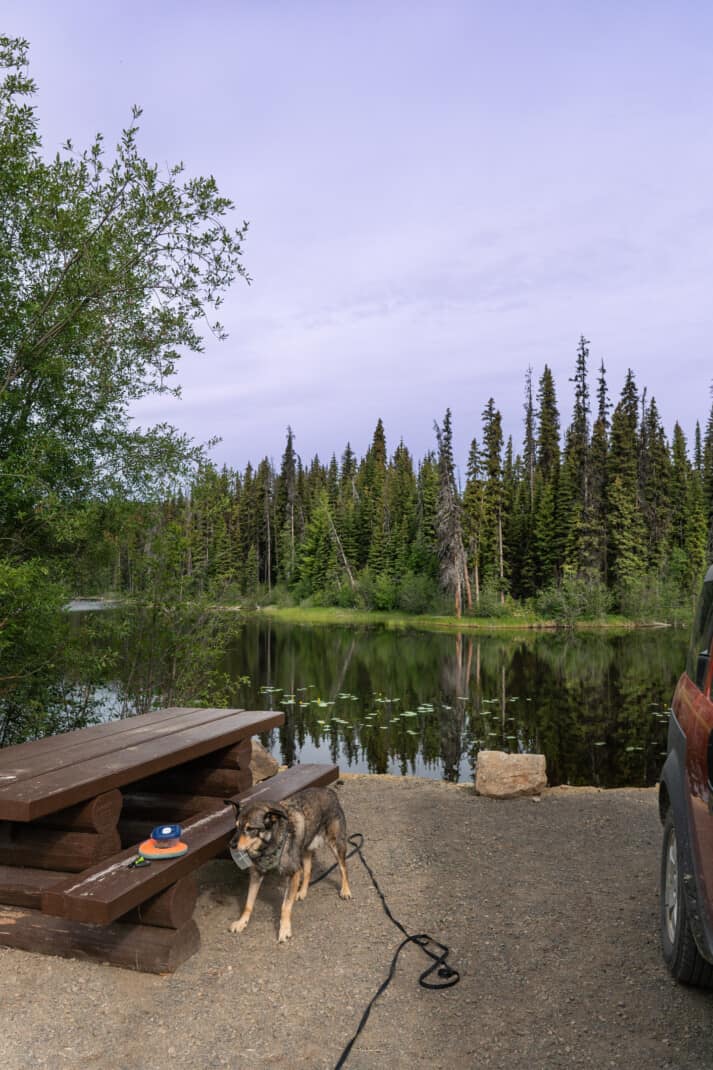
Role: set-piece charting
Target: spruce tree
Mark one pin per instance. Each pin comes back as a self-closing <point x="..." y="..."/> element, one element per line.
<point x="548" y="531"/>
<point x="473" y="518"/>
<point x="627" y="552"/>
<point x="493" y="549"/>
<point x="285" y="510"/>
<point x="654" y="486"/>
<point x="597" y="518"/>
<point x="454" y="570"/>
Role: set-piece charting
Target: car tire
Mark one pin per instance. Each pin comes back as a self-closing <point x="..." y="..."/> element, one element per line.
<point x="679" y="947"/>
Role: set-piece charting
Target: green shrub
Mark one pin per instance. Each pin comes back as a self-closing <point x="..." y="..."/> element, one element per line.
<point x="574" y="598"/>
<point x="417" y="594"/>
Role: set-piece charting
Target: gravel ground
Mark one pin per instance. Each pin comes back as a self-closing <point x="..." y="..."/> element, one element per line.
<point x="549" y="907"/>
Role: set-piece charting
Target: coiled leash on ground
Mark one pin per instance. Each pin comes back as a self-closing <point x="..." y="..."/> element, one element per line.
<point x="447" y="974"/>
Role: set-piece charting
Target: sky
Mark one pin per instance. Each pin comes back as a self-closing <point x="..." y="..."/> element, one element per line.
<point x="440" y="195"/>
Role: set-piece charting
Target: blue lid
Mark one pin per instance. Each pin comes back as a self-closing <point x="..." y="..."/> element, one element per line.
<point x="166" y="832"/>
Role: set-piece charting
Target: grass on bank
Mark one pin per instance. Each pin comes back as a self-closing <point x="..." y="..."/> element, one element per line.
<point x="326" y="615"/>
<point x="573" y="603"/>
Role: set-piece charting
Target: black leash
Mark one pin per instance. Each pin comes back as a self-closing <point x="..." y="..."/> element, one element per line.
<point x="447" y="974"/>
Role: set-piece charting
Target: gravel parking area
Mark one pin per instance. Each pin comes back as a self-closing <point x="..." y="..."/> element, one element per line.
<point x="549" y="908"/>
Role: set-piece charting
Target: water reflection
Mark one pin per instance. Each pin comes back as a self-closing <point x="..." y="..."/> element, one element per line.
<point x="371" y="699"/>
<point x="381" y="700"/>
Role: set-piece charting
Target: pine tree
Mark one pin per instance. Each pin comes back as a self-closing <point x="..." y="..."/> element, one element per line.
<point x="577" y="448"/>
<point x="529" y="444"/>
<point x="597" y="519"/>
<point x="548" y="428"/>
<point x="688" y="527"/>
<point x="493" y="550"/>
<point x="400" y="505"/>
<point x="317" y="565"/>
<point x="698" y="451"/>
<point x="424" y="554"/>
<point x="626" y="530"/>
<point x="285" y="508"/>
<point x="346" y="519"/>
<point x="654" y="486"/>
<point x="473" y="517"/>
<point x="454" y="570"/>
<point x="548" y="533"/>
<point x="370" y="508"/>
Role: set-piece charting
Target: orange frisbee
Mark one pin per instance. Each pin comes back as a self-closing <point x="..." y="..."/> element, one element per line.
<point x="154" y="849"/>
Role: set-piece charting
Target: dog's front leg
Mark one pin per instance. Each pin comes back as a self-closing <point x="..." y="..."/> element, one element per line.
<point x="287" y="904"/>
<point x="255" y="882"/>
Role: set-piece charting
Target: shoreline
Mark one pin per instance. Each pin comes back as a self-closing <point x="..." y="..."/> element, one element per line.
<point x="559" y="790"/>
<point x="331" y="615"/>
<point x="401" y="621"/>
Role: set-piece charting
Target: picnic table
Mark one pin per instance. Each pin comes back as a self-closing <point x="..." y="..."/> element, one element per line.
<point x="75" y="807"/>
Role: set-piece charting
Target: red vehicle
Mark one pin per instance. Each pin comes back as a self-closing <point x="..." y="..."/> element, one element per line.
<point x="686" y="809"/>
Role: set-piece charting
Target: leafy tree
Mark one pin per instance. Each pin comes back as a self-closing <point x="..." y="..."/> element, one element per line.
<point x="109" y="270"/>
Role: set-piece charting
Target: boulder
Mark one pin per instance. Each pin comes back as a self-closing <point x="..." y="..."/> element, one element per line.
<point x="505" y="776"/>
<point x="262" y="764"/>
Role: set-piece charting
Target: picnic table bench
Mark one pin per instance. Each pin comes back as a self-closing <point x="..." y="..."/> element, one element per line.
<point x="74" y="808"/>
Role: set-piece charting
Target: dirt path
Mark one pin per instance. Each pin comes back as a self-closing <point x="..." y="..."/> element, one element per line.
<point x="550" y="909"/>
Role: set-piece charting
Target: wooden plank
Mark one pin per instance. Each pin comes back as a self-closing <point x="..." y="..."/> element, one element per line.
<point x="105" y="892"/>
<point x="83" y="750"/>
<point x="171" y="909"/>
<point x="55" y="790"/>
<point x="160" y="808"/>
<point x="42" y="848"/>
<point x="63" y="740"/>
<point x="236" y="757"/>
<point x="100" y="814"/>
<point x="23" y="886"/>
<point x="148" y="948"/>
<point x="282" y="785"/>
<point x="188" y="779"/>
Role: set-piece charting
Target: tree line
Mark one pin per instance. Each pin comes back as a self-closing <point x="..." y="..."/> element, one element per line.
<point x="607" y="514"/>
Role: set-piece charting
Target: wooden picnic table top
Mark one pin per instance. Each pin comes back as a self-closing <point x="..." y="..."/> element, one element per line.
<point x="47" y="775"/>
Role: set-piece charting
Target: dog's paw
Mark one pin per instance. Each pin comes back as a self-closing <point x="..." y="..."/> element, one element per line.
<point x="285" y="934"/>
<point x="239" y="925"/>
<point x="345" y="893"/>
<point x="301" y="895"/>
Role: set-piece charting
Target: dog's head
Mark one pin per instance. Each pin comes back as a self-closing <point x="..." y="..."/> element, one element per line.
<point x="257" y="827"/>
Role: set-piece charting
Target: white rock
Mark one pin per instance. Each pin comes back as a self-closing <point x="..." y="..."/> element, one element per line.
<point x="505" y="776"/>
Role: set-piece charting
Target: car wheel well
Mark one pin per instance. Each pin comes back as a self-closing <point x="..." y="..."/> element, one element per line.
<point x="664" y="801"/>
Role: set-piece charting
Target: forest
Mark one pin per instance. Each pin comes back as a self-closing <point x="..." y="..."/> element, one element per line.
<point x="608" y="516"/>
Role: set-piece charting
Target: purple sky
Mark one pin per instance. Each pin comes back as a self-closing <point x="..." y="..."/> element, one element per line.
<point x="439" y="195"/>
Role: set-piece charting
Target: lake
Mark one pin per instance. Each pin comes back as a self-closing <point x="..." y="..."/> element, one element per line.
<point x="382" y="700"/>
<point x="409" y="702"/>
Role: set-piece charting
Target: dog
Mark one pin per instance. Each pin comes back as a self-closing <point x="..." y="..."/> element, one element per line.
<point x="283" y="836"/>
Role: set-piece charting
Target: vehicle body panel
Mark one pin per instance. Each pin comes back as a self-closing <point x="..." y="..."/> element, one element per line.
<point x="686" y="778"/>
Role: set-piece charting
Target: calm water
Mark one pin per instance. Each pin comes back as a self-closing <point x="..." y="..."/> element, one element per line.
<point x="380" y="700"/>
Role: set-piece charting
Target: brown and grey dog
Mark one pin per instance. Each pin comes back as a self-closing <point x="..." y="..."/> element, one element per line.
<point x="283" y="836"/>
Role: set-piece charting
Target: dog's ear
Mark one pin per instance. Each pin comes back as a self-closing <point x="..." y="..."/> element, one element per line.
<point x="236" y="807"/>
<point x="275" y="813"/>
